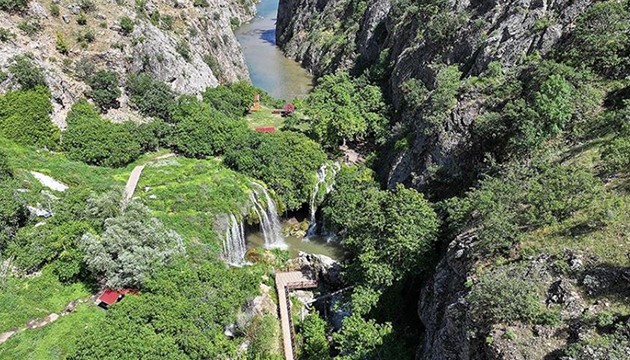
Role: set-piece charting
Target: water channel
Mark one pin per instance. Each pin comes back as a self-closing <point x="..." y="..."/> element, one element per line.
<point x="269" y="69"/>
<point x="282" y="78"/>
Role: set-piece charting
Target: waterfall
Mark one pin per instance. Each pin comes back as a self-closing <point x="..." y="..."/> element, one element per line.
<point x="268" y="215"/>
<point x="322" y="175"/>
<point x="234" y="245"/>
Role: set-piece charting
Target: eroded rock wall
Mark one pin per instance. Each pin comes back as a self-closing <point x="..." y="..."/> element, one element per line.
<point x="189" y="47"/>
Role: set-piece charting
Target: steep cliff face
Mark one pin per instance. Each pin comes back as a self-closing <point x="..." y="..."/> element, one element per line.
<point x="435" y="58"/>
<point x="189" y="47"/>
<point x="412" y="41"/>
<point x="327" y="35"/>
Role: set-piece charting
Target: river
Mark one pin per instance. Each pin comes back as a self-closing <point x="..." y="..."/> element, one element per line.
<point x="285" y="79"/>
<point x="269" y="69"/>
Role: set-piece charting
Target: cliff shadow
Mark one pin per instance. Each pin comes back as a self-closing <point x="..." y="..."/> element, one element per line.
<point x="268" y="36"/>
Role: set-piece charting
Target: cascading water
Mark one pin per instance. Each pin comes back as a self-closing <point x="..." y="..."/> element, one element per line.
<point x="322" y="175"/>
<point x="234" y="245"/>
<point x="268" y="215"/>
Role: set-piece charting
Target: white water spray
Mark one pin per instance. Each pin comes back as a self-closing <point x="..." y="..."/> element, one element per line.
<point x="322" y="175"/>
<point x="268" y="215"/>
<point x="234" y="245"/>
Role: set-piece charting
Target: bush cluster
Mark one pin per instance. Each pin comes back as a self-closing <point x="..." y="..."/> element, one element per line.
<point x="96" y="141"/>
<point x="25" y="118"/>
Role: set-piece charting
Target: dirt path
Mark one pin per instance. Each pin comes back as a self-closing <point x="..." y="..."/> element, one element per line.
<point x="50" y="318"/>
<point x="284" y="282"/>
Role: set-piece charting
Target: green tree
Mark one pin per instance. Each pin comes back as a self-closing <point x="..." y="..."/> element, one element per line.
<point x="207" y="132"/>
<point x="105" y="89"/>
<point x="234" y="99"/>
<point x="181" y="314"/>
<point x="97" y="141"/>
<point x="25" y="118"/>
<point x="362" y="339"/>
<point x="150" y="97"/>
<point x="600" y="39"/>
<point x="316" y="346"/>
<point x="133" y="246"/>
<point x="345" y="109"/>
<point x="388" y="234"/>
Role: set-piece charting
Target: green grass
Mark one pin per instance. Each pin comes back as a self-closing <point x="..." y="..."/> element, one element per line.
<point x="23" y="299"/>
<point x="188" y="194"/>
<point x="58" y="166"/>
<point x="265" y="118"/>
<point x="55" y="341"/>
<point x="606" y="239"/>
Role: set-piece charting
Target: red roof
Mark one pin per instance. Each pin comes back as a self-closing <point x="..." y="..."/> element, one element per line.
<point x="266" y="129"/>
<point x="110" y="296"/>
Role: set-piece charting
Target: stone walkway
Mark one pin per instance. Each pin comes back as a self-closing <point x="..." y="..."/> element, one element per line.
<point x="286" y="281"/>
<point x="134" y="178"/>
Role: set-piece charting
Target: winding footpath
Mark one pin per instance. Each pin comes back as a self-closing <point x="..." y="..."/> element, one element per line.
<point x="286" y="281"/>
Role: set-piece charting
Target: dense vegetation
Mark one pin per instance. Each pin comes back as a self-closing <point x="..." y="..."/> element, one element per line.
<point x="550" y="185"/>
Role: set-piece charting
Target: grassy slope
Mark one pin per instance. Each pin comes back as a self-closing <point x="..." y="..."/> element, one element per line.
<point x="610" y="242"/>
<point x="54" y="341"/>
<point x="186" y="194"/>
<point x="34" y="298"/>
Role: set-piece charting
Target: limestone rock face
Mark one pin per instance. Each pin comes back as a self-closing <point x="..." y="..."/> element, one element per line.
<point x="189" y="47"/>
<point x="483" y="32"/>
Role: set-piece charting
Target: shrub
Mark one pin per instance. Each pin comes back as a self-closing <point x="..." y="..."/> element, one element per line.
<point x="24" y="118"/>
<point x="35" y="247"/>
<point x="55" y="10"/>
<point x="183" y="49"/>
<point x="30" y="26"/>
<point x="6" y="35"/>
<point x="13" y="5"/>
<point x="616" y="154"/>
<point x="150" y="96"/>
<point x="13" y="212"/>
<point x="208" y="133"/>
<point x="200" y="3"/>
<point x="105" y="89"/>
<point x="506" y="294"/>
<point x="97" y="141"/>
<point x="26" y="73"/>
<point x="85" y="37"/>
<point x="82" y="18"/>
<point x="6" y="172"/>
<point x="126" y="25"/>
<point x="61" y="44"/>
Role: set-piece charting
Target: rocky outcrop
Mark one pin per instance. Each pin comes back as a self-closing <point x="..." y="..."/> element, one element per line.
<point x="189" y="47"/>
<point x="469" y="34"/>
<point x="326" y="270"/>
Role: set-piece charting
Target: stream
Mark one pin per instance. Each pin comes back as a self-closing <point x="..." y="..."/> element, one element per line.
<point x="269" y="69"/>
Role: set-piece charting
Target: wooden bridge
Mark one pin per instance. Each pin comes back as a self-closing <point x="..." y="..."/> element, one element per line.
<point x="286" y="281"/>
